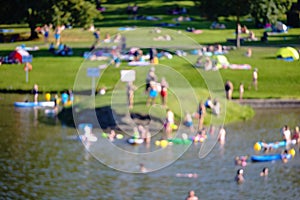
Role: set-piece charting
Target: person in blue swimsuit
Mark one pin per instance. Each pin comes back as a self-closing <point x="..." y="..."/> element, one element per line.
<point x="153" y="92"/>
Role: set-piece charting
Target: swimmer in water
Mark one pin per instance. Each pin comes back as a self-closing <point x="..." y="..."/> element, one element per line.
<point x="264" y="172"/>
<point x="191" y="195"/>
<point x="239" y="178"/>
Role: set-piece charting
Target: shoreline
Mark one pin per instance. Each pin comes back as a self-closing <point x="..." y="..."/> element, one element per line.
<point x="269" y="103"/>
<point x="254" y="103"/>
<point x="29" y="91"/>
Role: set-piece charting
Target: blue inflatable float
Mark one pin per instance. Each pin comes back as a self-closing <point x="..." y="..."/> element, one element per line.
<point x="268" y="157"/>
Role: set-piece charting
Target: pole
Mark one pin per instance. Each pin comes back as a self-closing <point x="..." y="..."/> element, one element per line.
<point x="93" y="86"/>
<point x="26" y="71"/>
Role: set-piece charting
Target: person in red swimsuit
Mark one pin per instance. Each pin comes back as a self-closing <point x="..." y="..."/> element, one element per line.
<point x="164" y="91"/>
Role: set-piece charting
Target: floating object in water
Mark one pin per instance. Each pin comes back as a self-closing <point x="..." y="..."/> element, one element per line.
<point x="269" y="157"/>
<point x="257" y="146"/>
<point x="47" y="96"/>
<point x="292" y="152"/>
<point x="164" y="143"/>
<point x="180" y="141"/>
<point x="34" y="104"/>
<point x="134" y="141"/>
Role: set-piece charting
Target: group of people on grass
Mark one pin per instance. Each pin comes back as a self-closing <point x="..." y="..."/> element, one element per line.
<point x="155" y="88"/>
<point x="242" y="29"/>
<point x="46" y="29"/>
<point x="228" y="86"/>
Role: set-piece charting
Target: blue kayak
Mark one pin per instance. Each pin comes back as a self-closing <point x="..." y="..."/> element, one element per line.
<point x="268" y="158"/>
<point x="33" y="104"/>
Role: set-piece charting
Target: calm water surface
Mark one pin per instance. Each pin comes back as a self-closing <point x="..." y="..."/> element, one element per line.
<point x="37" y="162"/>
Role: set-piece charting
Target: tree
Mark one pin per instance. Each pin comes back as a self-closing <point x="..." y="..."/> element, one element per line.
<point x="75" y="12"/>
<point x="268" y="11"/>
<point x="213" y="9"/>
<point x="262" y="11"/>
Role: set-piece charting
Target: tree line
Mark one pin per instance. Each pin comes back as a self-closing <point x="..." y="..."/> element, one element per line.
<point x="262" y="11"/>
<point x="57" y="12"/>
<point x="83" y="12"/>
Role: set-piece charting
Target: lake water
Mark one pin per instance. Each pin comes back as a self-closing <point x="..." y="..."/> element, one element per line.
<point x="37" y="162"/>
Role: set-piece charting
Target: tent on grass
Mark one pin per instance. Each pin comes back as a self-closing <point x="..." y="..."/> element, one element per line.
<point x="17" y="55"/>
<point x="288" y="53"/>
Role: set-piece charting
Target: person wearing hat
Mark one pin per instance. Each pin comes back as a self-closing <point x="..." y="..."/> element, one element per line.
<point x="239" y="178"/>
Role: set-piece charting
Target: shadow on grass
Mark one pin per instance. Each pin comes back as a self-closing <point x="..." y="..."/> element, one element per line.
<point x="282" y="42"/>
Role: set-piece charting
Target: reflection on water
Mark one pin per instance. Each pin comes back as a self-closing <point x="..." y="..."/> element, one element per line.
<point x="38" y="162"/>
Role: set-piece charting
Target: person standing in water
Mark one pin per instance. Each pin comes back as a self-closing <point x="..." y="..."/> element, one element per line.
<point x="239" y="178"/>
<point x="35" y="92"/>
<point x="169" y="123"/>
<point x="201" y="112"/>
<point x="222" y="135"/>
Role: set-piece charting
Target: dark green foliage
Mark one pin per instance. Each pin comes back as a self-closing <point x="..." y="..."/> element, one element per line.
<point x="268" y="11"/>
<point x="75" y="12"/>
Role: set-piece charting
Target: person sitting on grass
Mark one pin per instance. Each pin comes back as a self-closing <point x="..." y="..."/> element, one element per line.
<point x="208" y="103"/>
<point x="252" y="37"/>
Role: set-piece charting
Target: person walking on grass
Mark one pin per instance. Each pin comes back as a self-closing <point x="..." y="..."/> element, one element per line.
<point x="254" y="79"/>
<point x="241" y="90"/>
<point x="228" y="89"/>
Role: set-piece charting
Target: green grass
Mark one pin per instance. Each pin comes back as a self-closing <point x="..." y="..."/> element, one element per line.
<point x="277" y="78"/>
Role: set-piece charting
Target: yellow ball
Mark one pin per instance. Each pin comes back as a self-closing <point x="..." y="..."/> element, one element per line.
<point x="257" y="146"/>
<point x="47" y="96"/>
<point x="104" y="135"/>
<point x="174" y="127"/>
<point x="164" y="143"/>
<point x="155" y="60"/>
<point x="119" y="136"/>
<point x="157" y="142"/>
<point x="292" y="152"/>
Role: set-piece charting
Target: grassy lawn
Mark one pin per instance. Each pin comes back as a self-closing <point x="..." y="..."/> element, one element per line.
<point x="277" y="78"/>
